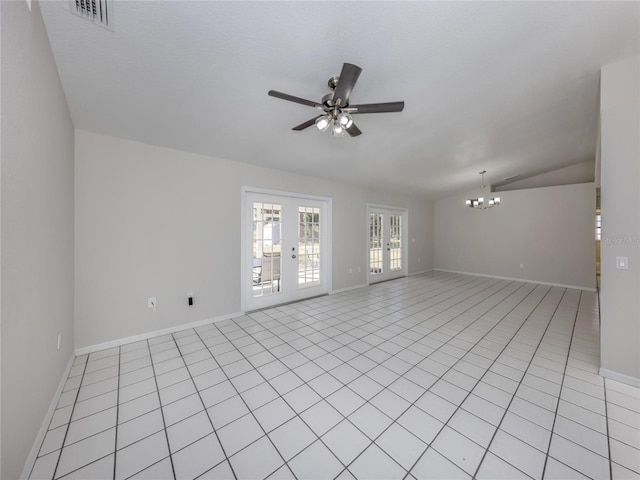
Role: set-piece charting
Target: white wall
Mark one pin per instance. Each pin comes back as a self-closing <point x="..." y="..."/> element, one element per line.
<point x="620" y="202"/>
<point x="549" y="230"/>
<point x="152" y="221"/>
<point x="37" y="231"/>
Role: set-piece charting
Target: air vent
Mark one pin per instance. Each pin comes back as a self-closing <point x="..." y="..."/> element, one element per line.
<point x="96" y="11"/>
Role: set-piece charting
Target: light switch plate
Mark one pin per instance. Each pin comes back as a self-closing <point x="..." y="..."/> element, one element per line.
<point x="622" y="263"/>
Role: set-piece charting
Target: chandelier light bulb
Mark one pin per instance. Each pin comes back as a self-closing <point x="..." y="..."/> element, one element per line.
<point x="323" y="123"/>
<point x="345" y="120"/>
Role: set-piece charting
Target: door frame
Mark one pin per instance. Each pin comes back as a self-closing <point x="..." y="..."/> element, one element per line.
<point x="327" y="252"/>
<point x="405" y="233"/>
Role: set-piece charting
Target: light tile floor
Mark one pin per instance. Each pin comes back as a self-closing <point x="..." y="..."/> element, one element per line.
<point x="434" y="376"/>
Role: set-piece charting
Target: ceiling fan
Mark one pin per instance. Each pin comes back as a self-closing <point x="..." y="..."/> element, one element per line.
<point x="336" y="111"/>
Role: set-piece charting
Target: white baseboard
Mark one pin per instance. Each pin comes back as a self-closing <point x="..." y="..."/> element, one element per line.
<point x="362" y="285"/>
<point x="577" y="287"/>
<point x="421" y="272"/>
<point x="347" y="289"/>
<point x="155" y="333"/>
<point x="619" y="377"/>
<point x="33" y="454"/>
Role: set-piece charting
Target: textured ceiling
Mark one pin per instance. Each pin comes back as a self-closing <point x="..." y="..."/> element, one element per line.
<point x="510" y="87"/>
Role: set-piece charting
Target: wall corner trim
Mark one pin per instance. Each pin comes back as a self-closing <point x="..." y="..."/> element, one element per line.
<point x="152" y="334"/>
<point x="577" y="287"/>
<point x="619" y="377"/>
<point x="33" y="454"/>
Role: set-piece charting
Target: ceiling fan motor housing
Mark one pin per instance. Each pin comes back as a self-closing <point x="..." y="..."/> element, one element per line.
<point x="328" y="99"/>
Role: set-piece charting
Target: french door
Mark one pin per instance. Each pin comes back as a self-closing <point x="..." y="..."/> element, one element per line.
<point x="285" y="249"/>
<point x="387" y="243"/>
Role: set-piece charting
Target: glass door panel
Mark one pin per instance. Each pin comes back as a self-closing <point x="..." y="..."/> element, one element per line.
<point x="266" y="260"/>
<point x="395" y="242"/>
<point x="386" y="243"/>
<point x="309" y="268"/>
<point x="376" y="241"/>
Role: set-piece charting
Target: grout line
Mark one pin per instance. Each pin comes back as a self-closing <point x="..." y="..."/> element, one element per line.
<point x="204" y="409"/>
<point x="164" y="423"/>
<point x="115" y="443"/>
<point x="606" y="413"/>
<point x="449" y="368"/>
<point x="69" y="422"/>
<point x="568" y="356"/>
<point x="246" y="405"/>
<point x="533" y="356"/>
<point x="86" y="464"/>
<point x="479" y="380"/>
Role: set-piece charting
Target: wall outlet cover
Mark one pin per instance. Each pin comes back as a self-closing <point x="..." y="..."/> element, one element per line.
<point x="622" y="263"/>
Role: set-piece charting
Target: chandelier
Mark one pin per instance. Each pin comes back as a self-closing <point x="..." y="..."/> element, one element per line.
<point x="481" y="202"/>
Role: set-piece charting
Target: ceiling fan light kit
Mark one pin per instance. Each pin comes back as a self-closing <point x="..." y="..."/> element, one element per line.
<point x="480" y="202"/>
<point x="336" y="111"/>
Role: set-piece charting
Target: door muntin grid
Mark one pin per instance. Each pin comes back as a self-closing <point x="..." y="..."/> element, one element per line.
<point x="309" y="270"/>
<point x="266" y="248"/>
<point x="394" y="245"/>
<point x="376" y="243"/>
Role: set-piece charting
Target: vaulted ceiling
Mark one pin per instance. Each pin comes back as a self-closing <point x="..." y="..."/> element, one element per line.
<point x="510" y="87"/>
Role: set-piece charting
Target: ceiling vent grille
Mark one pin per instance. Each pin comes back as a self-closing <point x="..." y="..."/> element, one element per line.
<point x="95" y="11"/>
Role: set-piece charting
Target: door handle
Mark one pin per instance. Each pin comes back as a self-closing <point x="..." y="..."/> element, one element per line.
<point x="293" y="256"/>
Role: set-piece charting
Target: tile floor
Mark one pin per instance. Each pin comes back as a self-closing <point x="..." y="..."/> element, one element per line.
<point x="433" y="376"/>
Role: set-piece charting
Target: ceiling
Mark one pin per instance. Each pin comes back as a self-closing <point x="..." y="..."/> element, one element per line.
<point x="510" y="87"/>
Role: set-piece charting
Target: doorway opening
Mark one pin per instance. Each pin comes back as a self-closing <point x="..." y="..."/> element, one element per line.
<point x="387" y="234"/>
<point x="285" y="248"/>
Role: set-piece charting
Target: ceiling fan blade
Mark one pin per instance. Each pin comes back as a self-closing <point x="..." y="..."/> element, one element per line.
<point x="348" y="78"/>
<point x="306" y="124"/>
<point x="376" y="108"/>
<point x="291" y="98"/>
<point x="353" y="130"/>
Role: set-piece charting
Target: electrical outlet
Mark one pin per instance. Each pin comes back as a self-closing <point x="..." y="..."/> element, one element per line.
<point x="151" y="303"/>
<point x="622" y="263"/>
<point x="350" y="269"/>
<point x="522" y="265"/>
<point x="190" y="299"/>
<point x="59" y="340"/>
